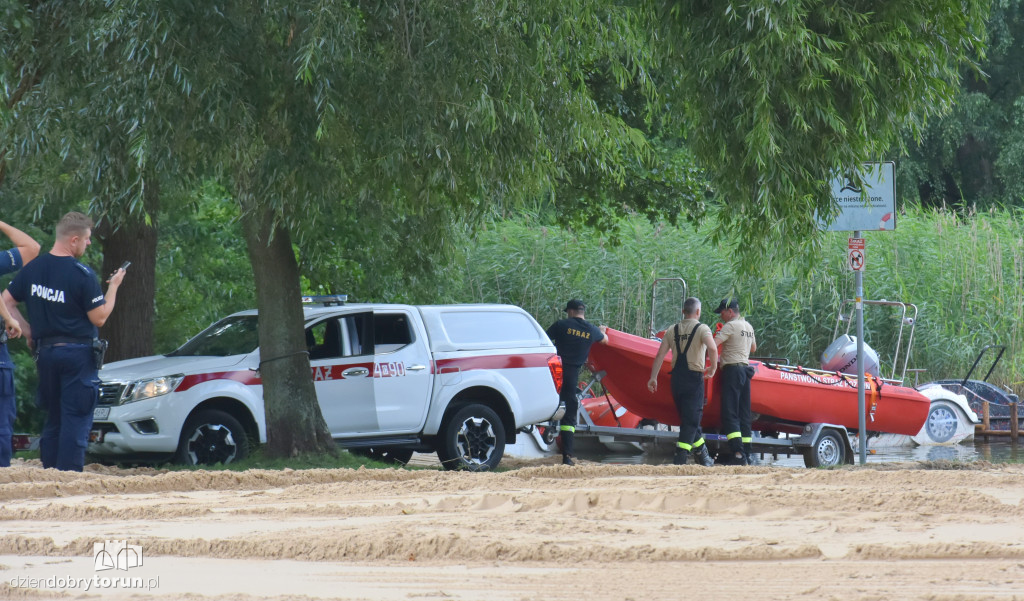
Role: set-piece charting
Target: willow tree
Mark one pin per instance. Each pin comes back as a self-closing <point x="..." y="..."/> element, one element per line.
<point x="80" y="117"/>
<point x="781" y="96"/>
<point x="417" y="116"/>
<point x="379" y="114"/>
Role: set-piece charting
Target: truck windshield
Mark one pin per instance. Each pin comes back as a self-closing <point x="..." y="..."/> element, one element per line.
<point x="229" y="336"/>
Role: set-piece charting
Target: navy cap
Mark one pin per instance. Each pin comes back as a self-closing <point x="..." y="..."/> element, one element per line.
<point x="574" y="305"/>
<point x="728" y="303"/>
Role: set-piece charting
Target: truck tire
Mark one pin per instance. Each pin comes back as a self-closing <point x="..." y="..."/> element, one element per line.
<point x="472" y="439"/>
<point x="827" y="451"/>
<point x="211" y="437"/>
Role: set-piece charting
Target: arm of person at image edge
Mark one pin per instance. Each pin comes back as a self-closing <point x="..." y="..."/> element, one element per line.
<point x="98" y="315"/>
<point x="666" y="346"/>
<point x="25" y="249"/>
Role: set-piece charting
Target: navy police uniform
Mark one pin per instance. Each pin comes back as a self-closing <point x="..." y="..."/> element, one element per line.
<point x="572" y="337"/>
<point x="59" y="292"/>
<point x="10" y="261"/>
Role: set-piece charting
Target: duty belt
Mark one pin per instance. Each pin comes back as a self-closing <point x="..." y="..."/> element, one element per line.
<point x="60" y="340"/>
<point x="736" y="365"/>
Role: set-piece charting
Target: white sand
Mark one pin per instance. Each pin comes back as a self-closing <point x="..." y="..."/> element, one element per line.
<point x="541" y="532"/>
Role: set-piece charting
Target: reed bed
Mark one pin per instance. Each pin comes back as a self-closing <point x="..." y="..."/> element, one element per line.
<point x="964" y="273"/>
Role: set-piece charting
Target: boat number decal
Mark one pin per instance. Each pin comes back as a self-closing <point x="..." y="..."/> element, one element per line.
<point x="394" y="369"/>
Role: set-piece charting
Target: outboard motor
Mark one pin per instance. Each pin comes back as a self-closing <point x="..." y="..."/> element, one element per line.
<point x="841" y="356"/>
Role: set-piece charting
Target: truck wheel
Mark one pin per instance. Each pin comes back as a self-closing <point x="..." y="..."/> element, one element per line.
<point x="473" y="439"/>
<point x="393" y="455"/>
<point x="828" y="451"/>
<point x="211" y="437"/>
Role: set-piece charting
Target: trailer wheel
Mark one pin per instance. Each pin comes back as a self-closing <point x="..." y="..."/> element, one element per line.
<point x="473" y="439"/>
<point x="827" y="451"/>
<point x="943" y="421"/>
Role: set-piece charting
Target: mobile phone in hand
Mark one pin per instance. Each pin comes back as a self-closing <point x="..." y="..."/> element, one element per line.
<point x="123" y="267"/>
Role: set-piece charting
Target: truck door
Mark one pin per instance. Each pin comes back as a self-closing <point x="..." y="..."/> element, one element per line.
<point x="402" y="374"/>
<point x="341" y="359"/>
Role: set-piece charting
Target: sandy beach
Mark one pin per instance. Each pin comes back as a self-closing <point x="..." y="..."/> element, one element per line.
<point x="937" y="531"/>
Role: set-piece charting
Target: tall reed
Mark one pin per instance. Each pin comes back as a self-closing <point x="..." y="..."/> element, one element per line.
<point x="965" y="274"/>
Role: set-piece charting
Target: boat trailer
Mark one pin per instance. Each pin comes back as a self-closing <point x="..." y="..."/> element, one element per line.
<point x="820" y="445"/>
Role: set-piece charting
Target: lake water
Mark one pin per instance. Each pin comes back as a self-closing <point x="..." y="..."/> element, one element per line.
<point x="995" y="450"/>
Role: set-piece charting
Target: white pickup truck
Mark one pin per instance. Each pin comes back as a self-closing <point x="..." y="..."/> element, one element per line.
<point x="460" y="380"/>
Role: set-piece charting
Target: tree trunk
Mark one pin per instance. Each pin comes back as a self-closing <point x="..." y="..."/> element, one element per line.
<point x="294" y="421"/>
<point x="130" y="327"/>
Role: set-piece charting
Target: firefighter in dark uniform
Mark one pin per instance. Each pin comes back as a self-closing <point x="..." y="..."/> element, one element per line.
<point x="572" y="337"/>
<point x="690" y="342"/>
<point x="65" y="307"/>
<point x="25" y="249"/>
<point x="735" y="343"/>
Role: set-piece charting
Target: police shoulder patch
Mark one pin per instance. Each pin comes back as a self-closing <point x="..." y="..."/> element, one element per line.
<point x="85" y="268"/>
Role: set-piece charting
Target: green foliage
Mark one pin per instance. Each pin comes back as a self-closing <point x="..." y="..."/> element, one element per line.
<point x="780" y="96"/>
<point x="260" y="460"/>
<point x="203" y="272"/>
<point x="971" y="157"/>
<point x="966" y="277"/>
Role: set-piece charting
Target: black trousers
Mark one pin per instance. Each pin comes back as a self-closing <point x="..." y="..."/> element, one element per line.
<point x="570" y="387"/>
<point x="688" y="396"/>
<point x="736" y="404"/>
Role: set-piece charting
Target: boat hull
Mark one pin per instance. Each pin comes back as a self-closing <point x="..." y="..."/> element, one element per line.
<point x="782" y="398"/>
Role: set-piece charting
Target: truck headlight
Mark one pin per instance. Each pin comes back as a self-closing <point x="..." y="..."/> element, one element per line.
<point x="153" y="387"/>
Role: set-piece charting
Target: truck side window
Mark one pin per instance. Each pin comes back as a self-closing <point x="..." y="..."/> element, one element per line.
<point x="345" y="336"/>
<point x="326" y="340"/>
<point x="391" y="332"/>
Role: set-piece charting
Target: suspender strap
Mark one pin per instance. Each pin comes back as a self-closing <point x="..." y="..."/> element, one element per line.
<point x="688" y="343"/>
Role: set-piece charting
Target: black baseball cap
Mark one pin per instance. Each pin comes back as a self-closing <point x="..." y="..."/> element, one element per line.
<point x="575" y="305"/>
<point x="728" y="303"/>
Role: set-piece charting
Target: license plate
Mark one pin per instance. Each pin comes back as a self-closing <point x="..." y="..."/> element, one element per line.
<point x="101" y="413"/>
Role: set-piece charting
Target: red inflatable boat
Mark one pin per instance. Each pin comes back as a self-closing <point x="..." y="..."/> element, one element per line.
<point x="783" y="398"/>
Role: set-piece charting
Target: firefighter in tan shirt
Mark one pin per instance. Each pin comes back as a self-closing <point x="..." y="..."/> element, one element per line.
<point x="691" y="340"/>
<point x="735" y="343"/>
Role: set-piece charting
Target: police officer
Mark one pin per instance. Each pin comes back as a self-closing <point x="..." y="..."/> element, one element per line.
<point x="692" y="341"/>
<point x="25" y="249"/>
<point x="572" y="337"/>
<point x="735" y="343"/>
<point x="65" y="307"/>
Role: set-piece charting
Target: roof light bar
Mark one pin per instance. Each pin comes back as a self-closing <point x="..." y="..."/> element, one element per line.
<point x="326" y="299"/>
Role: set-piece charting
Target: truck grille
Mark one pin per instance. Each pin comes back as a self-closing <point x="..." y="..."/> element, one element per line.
<point x="111" y="393"/>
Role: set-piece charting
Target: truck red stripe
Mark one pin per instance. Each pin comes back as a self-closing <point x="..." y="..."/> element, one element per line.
<point x="495" y="362"/>
<point x="249" y="377"/>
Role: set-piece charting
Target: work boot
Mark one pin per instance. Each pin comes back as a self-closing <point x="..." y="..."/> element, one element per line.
<point x="568" y="460"/>
<point x="568" y="446"/>
<point x="736" y="456"/>
<point x="680" y="457"/>
<point x="748" y="454"/>
<point x="703" y="457"/>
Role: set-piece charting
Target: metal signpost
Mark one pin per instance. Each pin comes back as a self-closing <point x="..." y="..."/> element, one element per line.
<point x="876" y="212"/>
